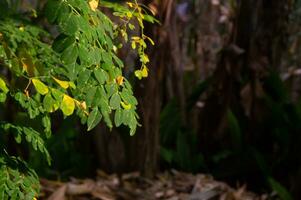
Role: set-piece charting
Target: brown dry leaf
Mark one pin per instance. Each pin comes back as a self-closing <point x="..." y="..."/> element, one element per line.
<point x="78" y="189"/>
<point x="169" y="186"/>
<point x="59" y="194"/>
<point x="93" y="4"/>
<point x="28" y="65"/>
<point x="102" y="194"/>
<point x="120" y="80"/>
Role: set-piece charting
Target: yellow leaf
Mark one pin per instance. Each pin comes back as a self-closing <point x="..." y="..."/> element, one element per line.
<point x="93" y="4"/>
<point x="138" y="74"/>
<point x="130" y="4"/>
<point x="27" y="64"/>
<point x="126" y="106"/>
<point x="82" y="105"/>
<point x="67" y="105"/>
<point x="135" y="38"/>
<point x="40" y="86"/>
<point x="133" y="45"/>
<point x="129" y="14"/>
<point x="150" y="40"/>
<point x="120" y="80"/>
<point x="144" y="58"/>
<point x="63" y="84"/>
<point x="3" y="86"/>
<point x="21" y="28"/>
<point x="144" y="72"/>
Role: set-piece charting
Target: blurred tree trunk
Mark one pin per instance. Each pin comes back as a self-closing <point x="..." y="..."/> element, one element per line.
<point x="144" y="146"/>
<point x="255" y="46"/>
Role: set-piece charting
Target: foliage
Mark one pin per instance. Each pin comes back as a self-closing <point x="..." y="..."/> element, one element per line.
<point x="267" y="151"/>
<point x="17" y="181"/>
<point x="178" y="143"/>
<point x="71" y="66"/>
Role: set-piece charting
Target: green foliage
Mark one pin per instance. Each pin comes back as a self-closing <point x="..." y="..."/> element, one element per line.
<point x="77" y="72"/>
<point x="263" y="144"/>
<point x="178" y="143"/>
<point x="17" y="181"/>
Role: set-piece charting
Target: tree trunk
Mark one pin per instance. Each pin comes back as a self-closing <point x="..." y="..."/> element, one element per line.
<point x="254" y="48"/>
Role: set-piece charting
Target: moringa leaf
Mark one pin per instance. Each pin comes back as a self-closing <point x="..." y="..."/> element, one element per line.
<point x="67" y="105"/>
<point x="94" y="118"/>
<point x="40" y="86"/>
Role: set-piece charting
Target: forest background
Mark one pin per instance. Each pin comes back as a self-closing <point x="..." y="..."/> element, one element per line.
<point x="222" y="97"/>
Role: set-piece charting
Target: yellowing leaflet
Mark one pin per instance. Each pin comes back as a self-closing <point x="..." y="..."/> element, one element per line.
<point x="93" y="4"/>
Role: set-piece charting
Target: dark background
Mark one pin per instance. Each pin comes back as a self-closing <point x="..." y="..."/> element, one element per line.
<point x="222" y="97"/>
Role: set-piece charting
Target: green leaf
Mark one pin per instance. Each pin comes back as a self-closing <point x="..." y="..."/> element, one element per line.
<point x="111" y="88"/>
<point x="57" y="94"/>
<point x="50" y="104"/>
<point x="105" y="111"/>
<point x="118" y="117"/>
<point x="115" y="101"/>
<point x="234" y="129"/>
<point x="70" y="25"/>
<point x="18" y="138"/>
<point x="90" y="95"/>
<point x="70" y="54"/>
<point x="62" y="42"/>
<point x="107" y="58"/>
<point x="51" y="10"/>
<point x="47" y="125"/>
<point x="84" y="55"/>
<point x="166" y="154"/>
<point x="2" y="97"/>
<point x="99" y="94"/>
<point x="83" y="77"/>
<point x="118" y="61"/>
<point x="128" y="97"/>
<point x="281" y="191"/>
<point x="94" y="118"/>
<point x="63" y="12"/>
<point x="100" y="75"/>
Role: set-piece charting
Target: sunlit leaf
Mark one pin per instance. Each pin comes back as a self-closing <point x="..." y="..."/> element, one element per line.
<point x="63" y="84"/>
<point x="3" y="86"/>
<point x="40" y="86"/>
<point x="67" y="105"/>
<point x="138" y="74"/>
<point x="144" y="72"/>
<point x="120" y="80"/>
<point x="93" y="4"/>
<point x="133" y="44"/>
<point x="125" y="105"/>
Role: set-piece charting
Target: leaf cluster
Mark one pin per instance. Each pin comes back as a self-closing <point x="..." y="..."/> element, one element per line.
<point x="75" y="71"/>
